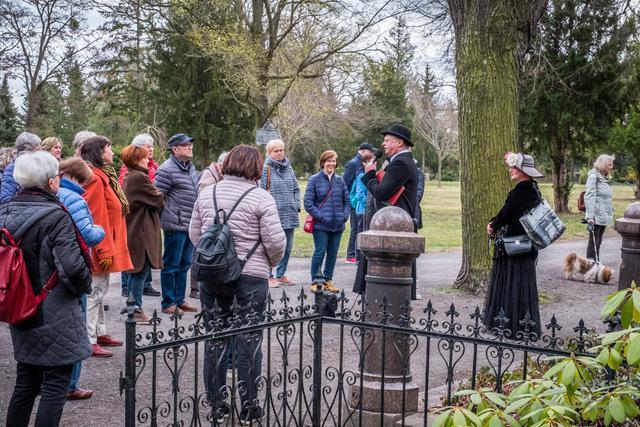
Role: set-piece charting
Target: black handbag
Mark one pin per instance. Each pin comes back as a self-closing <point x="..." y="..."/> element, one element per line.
<point x="517" y="245"/>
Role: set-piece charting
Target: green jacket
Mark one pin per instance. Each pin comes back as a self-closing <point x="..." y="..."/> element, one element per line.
<point x="598" y="198"/>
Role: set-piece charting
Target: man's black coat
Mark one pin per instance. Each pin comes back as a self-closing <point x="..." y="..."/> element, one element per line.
<point x="402" y="171"/>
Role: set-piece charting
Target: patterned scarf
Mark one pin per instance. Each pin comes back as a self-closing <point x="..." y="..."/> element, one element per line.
<point x="113" y="182"/>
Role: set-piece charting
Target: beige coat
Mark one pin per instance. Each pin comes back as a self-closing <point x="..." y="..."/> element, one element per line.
<point x="255" y="217"/>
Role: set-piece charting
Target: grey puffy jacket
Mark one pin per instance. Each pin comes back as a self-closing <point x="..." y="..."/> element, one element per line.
<point x="178" y="181"/>
<point x="256" y="217"/>
<point x="598" y="198"/>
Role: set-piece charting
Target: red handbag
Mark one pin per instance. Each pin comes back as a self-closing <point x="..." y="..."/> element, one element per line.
<point x="310" y="221"/>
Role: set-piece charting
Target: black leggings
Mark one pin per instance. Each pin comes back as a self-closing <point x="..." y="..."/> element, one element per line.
<point x="595" y="239"/>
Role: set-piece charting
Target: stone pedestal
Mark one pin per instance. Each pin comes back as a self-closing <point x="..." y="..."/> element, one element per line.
<point x="629" y="229"/>
<point x="391" y="247"/>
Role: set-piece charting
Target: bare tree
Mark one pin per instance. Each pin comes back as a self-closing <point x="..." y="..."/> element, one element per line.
<point x="38" y="37"/>
<point x="268" y="45"/>
<point x="435" y="124"/>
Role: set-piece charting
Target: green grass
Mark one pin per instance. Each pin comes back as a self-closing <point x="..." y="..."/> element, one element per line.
<point x="441" y="217"/>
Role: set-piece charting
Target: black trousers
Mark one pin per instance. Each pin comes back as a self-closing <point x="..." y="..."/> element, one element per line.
<point x="51" y="382"/>
<point x="595" y="239"/>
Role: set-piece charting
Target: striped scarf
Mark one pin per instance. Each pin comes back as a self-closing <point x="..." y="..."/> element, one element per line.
<point x="113" y="182"/>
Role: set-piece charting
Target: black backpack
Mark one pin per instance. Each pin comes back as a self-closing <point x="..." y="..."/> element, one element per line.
<point x="216" y="260"/>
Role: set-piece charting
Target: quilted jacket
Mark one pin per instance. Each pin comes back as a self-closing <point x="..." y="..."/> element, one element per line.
<point x="57" y="334"/>
<point x="598" y="198"/>
<point x="283" y="187"/>
<point x="70" y="194"/>
<point x="9" y="186"/>
<point x="336" y="210"/>
<point x="178" y="181"/>
<point x="256" y="217"/>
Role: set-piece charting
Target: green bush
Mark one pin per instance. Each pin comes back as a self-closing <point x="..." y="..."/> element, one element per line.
<point x="573" y="390"/>
<point x="582" y="178"/>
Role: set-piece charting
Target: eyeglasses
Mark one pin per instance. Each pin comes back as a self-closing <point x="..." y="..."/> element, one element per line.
<point x="58" y="175"/>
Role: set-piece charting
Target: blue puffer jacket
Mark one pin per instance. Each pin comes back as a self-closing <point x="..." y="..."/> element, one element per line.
<point x="178" y="181"/>
<point x="70" y="194"/>
<point x="336" y="210"/>
<point x="9" y="186"/>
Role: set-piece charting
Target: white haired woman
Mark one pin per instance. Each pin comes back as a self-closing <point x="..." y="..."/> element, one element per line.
<point x="48" y="344"/>
<point x="279" y="179"/>
<point x="598" y="202"/>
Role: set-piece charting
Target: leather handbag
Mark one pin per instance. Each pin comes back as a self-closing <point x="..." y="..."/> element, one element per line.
<point x="310" y="221"/>
<point x="517" y="245"/>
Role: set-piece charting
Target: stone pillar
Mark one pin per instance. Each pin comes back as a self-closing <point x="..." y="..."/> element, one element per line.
<point x="629" y="229"/>
<point x="390" y="247"/>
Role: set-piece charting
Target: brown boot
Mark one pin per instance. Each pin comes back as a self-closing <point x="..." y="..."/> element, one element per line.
<point x="141" y="318"/>
<point x="328" y="286"/>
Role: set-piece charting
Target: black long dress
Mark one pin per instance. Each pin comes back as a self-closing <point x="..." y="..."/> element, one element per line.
<point x="513" y="278"/>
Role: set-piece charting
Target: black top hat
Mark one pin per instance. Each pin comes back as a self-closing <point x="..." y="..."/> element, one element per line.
<point x="401" y="131"/>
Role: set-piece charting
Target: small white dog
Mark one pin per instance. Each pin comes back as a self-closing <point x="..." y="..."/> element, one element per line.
<point x="591" y="271"/>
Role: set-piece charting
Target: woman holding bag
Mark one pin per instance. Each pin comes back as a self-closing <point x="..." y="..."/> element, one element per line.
<point x="327" y="202"/>
<point x="513" y="286"/>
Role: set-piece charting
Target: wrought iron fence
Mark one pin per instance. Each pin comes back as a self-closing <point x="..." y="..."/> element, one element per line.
<point x="311" y="372"/>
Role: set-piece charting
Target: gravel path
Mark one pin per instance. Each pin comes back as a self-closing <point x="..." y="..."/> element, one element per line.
<point x="568" y="301"/>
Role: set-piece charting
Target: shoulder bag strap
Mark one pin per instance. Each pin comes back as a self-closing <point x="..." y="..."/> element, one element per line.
<point x="327" y="196"/>
<point x="268" y="178"/>
<point x="238" y="202"/>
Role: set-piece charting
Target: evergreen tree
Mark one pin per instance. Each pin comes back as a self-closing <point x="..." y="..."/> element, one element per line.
<point x="625" y="138"/>
<point x="8" y="115"/>
<point x="574" y="87"/>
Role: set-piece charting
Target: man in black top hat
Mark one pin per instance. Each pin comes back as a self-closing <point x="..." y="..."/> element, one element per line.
<point x="351" y="170"/>
<point x="400" y="172"/>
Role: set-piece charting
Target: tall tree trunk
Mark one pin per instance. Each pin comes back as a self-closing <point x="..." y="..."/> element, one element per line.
<point x="559" y="179"/>
<point x="30" y="115"/>
<point x="487" y="87"/>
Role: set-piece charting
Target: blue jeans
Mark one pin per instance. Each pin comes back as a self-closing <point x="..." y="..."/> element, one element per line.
<point x="77" y="367"/>
<point x="123" y="281"/>
<point x="281" y="268"/>
<point x="177" y="257"/>
<point x="325" y="243"/>
<point x="247" y="347"/>
<point x="136" y="282"/>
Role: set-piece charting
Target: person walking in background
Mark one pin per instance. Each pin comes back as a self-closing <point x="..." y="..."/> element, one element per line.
<point x="143" y="140"/>
<point x="513" y="286"/>
<point x="53" y="145"/>
<point x="279" y="179"/>
<point x="598" y="201"/>
<point x="352" y="169"/>
<point x="143" y="223"/>
<point x="108" y="205"/>
<point x="46" y="345"/>
<point x="212" y="174"/>
<point x="255" y="226"/>
<point x="327" y="201"/>
<point x="7" y="155"/>
<point x="25" y="143"/>
<point x="79" y="139"/>
<point x="177" y="179"/>
<point x="75" y="175"/>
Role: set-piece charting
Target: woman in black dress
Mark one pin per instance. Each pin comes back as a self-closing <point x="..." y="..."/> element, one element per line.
<point x="513" y="278"/>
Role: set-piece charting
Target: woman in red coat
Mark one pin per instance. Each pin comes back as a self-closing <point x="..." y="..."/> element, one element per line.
<point x="108" y="206"/>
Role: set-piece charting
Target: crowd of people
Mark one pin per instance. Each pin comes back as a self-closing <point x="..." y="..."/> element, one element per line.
<point x="80" y="221"/>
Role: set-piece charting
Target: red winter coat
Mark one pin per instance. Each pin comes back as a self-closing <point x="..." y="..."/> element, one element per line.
<point x="107" y="213"/>
<point x="153" y="167"/>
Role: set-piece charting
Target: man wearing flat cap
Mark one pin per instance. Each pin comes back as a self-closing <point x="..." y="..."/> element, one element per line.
<point x="352" y="169"/>
<point x="177" y="179"/>
<point x="401" y="172"/>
